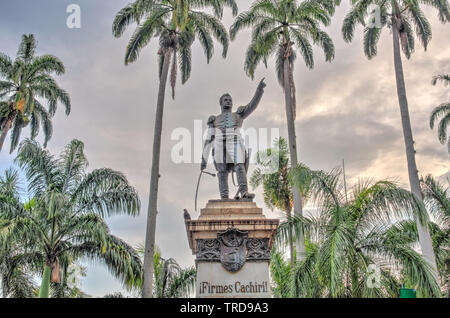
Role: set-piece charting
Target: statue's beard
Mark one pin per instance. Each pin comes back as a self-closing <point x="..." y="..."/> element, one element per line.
<point x="226" y="108"/>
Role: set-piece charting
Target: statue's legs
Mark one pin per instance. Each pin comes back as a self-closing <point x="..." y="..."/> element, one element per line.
<point x="242" y="181"/>
<point x="222" y="175"/>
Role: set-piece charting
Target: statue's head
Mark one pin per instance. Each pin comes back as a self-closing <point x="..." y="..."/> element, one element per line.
<point x="226" y="102"/>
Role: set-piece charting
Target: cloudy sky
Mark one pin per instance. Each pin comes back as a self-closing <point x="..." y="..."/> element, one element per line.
<point x="346" y="109"/>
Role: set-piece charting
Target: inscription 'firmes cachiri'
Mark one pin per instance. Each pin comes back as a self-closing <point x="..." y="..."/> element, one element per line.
<point x="237" y="287"/>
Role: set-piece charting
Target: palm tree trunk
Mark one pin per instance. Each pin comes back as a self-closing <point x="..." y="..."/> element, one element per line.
<point x="147" y="287"/>
<point x="5" y="130"/>
<point x="45" y="284"/>
<point x="291" y="241"/>
<point x="424" y="235"/>
<point x="300" y="242"/>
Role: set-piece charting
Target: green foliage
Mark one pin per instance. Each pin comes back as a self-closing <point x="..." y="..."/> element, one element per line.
<point x="171" y="281"/>
<point x="64" y="220"/>
<point x="17" y="267"/>
<point x="375" y="225"/>
<point x="437" y="201"/>
<point x="22" y="82"/>
<point x="16" y="264"/>
<point x="272" y="173"/>
<point x="441" y="114"/>
<point x="276" y="185"/>
<point x="280" y="272"/>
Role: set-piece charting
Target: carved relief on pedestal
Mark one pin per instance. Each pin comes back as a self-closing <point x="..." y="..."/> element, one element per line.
<point x="233" y="248"/>
<point x="258" y="249"/>
<point x="208" y="250"/>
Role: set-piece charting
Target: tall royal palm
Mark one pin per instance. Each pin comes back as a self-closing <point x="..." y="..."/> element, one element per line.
<point x="283" y="27"/>
<point x="442" y="113"/>
<point x="22" y="82"/>
<point x="273" y="173"/>
<point x="400" y="16"/>
<point x="177" y="23"/>
<point x="64" y="220"/>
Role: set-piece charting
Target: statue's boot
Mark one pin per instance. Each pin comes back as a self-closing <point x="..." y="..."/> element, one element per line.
<point x="223" y="184"/>
<point x="242" y="183"/>
<point x="248" y="195"/>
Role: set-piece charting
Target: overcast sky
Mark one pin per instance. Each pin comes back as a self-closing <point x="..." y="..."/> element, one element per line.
<point x="346" y="109"/>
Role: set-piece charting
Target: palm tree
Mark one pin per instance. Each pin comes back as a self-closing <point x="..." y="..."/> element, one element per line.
<point x="22" y="82"/>
<point x="15" y="268"/>
<point x="276" y="184"/>
<point x="280" y="272"/>
<point x="171" y="281"/>
<point x="442" y="112"/>
<point x="437" y="201"/>
<point x="356" y="247"/>
<point x="16" y="273"/>
<point x="64" y="219"/>
<point x="280" y="27"/>
<point x="400" y="16"/>
<point x="176" y="23"/>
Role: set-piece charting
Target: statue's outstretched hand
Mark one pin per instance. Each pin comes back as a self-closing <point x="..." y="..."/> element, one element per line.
<point x="261" y="84"/>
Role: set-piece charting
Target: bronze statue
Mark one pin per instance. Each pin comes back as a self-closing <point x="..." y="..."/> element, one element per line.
<point x="228" y="149"/>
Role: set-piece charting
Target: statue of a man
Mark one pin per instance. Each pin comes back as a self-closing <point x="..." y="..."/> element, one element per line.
<point x="229" y="152"/>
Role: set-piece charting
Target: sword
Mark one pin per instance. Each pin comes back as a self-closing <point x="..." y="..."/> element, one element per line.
<point x="198" y="184"/>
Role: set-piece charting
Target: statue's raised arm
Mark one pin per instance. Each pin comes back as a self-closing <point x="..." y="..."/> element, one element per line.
<point x="245" y="111"/>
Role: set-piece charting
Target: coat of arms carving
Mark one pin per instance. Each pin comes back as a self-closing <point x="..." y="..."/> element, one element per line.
<point x="233" y="251"/>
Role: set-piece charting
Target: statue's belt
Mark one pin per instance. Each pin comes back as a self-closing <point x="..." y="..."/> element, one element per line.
<point x="228" y="135"/>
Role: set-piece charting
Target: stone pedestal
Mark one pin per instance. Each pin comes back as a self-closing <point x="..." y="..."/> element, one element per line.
<point x="231" y="241"/>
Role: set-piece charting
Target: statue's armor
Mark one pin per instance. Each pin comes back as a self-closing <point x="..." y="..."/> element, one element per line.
<point x="229" y="151"/>
<point x="228" y="120"/>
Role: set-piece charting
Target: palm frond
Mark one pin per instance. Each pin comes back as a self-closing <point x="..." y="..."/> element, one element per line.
<point x="302" y="41"/>
<point x="183" y="284"/>
<point x="422" y="26"/>
<point x="125" y="17"/>
<point x="39" y="166"/>
<point x="442" y="77"/>
<point x="6" y="65"/>
<point x="185" y="62"/>
<point x="143" y="34"/>
<point x="120" y="258"/>
<point x="17" y="126"/>
<point x="437" y="199"/>
<point x="371" y="37"/>
<point x="72" y="163"/>
<point x="444" y="123"/>
<point x="41" y="113"/>
<point x="214" y="26"/>
<point x="106" y="192"/>
<point x="27" y="48"/>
